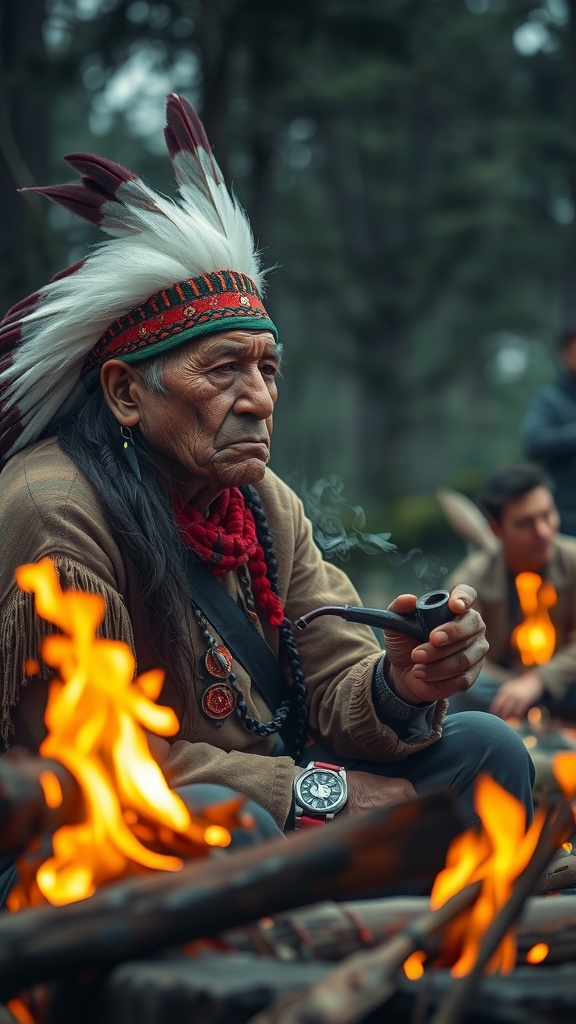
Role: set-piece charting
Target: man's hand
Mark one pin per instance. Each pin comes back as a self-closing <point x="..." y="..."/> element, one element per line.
<point x="367" y="792"/>
<point x="516" y="696"/>
<point x="448" y="662"/>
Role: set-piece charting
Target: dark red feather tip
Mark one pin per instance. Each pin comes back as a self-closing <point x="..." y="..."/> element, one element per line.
<point x="99" y="171"/>
<point x="10" y="339"/>
<point x="21" y="309"/>
<point x="184" y="130"/>
<point x="82" y="200"/>
<point x="68" y="271"/>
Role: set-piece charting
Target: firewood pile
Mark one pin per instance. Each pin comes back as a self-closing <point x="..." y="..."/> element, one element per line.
<point x="280" y="933"/>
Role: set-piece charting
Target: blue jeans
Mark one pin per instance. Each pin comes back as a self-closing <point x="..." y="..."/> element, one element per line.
<point x="470" y="743"/>
<point x="199" y="795"/>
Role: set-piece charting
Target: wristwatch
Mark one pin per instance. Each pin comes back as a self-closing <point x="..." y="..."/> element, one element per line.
<point x="320" y="791"/>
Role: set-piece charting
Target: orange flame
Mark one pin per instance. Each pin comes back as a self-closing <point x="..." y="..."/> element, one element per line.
<point x="20" y="1012"/>
<point x="535" y="637"/>
<point x="564" y="769"/>
<point x="96" y="715"/>
<point x="537" y="953"/>
<point x="495" y="856"/>
<point x="414" y="965"/>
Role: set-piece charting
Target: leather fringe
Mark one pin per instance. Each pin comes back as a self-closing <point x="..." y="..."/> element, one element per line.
<point x="22" y="630"/>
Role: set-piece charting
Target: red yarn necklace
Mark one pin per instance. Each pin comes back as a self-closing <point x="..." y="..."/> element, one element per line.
<point x="225" y="540"/>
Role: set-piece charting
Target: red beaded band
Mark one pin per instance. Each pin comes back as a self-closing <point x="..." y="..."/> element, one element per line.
<point x="188" y="309"/>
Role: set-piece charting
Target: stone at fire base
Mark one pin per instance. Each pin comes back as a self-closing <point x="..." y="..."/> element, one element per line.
<point x="230" y="988"/>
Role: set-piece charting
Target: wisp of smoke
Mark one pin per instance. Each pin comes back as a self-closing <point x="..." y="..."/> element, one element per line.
<point x="327" y="509"/>
<point x="330" y="533"/>
<point x="427" y="568"/>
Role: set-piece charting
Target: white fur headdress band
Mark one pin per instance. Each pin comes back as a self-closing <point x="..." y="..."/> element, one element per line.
<point x="169" y="272"/>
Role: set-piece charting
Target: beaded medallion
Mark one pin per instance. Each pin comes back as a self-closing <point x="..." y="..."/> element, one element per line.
<point x="219" y="701"/>
<point x="218" y="661"/>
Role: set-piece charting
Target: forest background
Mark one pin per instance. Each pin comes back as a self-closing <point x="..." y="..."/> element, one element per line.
<point x="409" y="167"/>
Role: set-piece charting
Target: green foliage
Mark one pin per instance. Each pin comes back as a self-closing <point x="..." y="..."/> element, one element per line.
<point x="418" y="521"/>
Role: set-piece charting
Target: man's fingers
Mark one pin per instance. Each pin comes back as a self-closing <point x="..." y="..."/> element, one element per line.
<point x="461" y="598"/>
<point x="462" y="663"/>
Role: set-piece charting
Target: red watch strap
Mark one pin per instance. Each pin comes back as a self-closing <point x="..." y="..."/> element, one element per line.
<point x="332" y="767"/>
<point x="305" y="821"/>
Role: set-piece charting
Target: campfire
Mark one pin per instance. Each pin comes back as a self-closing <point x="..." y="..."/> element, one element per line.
<point x="96" y="717"/>
<point x="136" y="865"/>
<point x="495" y="856"/>
<point x="535" y="636"/>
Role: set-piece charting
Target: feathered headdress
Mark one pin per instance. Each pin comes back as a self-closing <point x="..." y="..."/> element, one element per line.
<point x="171" y="271"/>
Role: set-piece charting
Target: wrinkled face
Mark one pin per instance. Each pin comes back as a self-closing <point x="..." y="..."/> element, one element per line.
<point x="527" y="530"/>
<point x="212" y="429"/>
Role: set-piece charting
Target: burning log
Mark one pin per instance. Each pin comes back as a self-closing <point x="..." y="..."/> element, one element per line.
<point x="329" y="932"/>
<point x="40" y="795"/>
<point x="98" y="719"/>
<point x="557" y="827"/>
<point x="129" y="919"/>
<point x="366" y="980"/>
<point x="535" y="636"/>
<point x="37" y="796"/>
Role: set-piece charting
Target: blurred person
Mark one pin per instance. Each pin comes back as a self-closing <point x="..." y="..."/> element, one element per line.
<point x="136" y="399"/>
<point x="548" y="432"/>
<point x="524" y="520"/>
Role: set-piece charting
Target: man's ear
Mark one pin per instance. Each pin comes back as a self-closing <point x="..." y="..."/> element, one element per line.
<point x="118" y="380"/>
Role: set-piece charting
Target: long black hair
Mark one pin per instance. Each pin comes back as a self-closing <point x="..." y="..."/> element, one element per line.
<point x="139" y="515"/>
<point x="138" y="512"/>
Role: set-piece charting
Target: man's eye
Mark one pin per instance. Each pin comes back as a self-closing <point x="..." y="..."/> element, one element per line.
<point x="224" y="368"/>
<point x="269" y="370"/>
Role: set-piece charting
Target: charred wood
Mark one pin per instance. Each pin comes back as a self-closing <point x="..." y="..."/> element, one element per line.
<point x="25" y="814"/>
<point x="557" y="827"/>
<point x="212" y="989"/>
<point x="367" y="979"/>
<point x="330" y="931"/>
<point x="352" y="857"/>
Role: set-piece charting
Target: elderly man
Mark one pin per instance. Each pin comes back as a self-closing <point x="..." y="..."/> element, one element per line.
<point x="137" y="409"/>
<point x="524" y="519"/>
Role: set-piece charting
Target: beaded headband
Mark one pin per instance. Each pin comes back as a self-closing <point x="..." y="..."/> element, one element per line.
<point x="189" y="309"/>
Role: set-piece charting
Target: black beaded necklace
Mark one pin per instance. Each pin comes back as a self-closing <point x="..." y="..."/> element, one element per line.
<point x="222" y="695"/>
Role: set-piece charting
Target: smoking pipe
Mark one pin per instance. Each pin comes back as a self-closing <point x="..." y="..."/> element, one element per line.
<point x="431" y="610"/>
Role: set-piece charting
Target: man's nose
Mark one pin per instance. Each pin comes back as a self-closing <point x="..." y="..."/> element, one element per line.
<point x="544" y="529"/>
<point x="255" y="397"/>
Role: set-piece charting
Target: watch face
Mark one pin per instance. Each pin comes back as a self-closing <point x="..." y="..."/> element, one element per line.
<point x="320" y="791"/>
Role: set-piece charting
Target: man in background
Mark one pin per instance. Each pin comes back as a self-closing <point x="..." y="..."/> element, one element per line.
<point x="548" y="432"/>
<point x="524" y="519"/>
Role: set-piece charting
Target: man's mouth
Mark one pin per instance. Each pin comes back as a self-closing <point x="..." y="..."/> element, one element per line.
<point x="245" y="442"/>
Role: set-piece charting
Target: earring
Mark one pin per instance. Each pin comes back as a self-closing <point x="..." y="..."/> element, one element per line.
<point x="129" y="451"/>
